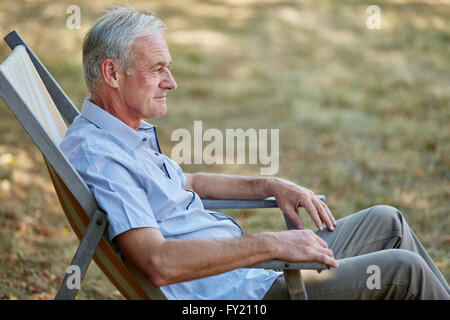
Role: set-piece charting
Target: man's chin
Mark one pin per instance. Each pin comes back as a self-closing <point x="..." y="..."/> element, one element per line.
<point x="159" y="114"/>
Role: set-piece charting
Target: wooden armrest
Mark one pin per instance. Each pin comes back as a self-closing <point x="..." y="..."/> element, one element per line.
<point x="244" y="204"/>
<point x="286" y="265"/>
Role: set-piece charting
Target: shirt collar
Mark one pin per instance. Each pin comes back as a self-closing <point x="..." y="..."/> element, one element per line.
<point x="113" y="125"/>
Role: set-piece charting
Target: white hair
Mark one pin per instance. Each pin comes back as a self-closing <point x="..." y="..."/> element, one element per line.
<point x="112" y="36"/>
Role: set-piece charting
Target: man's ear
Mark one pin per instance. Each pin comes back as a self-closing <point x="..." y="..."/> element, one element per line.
<point x="110" y="73"/>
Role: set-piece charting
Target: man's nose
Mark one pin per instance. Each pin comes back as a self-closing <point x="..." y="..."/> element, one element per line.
<point x="168" y="82"/>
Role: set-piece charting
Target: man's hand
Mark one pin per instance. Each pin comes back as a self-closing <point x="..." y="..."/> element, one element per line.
<point x="303" y="245"/>
<point x="291" y="196"/>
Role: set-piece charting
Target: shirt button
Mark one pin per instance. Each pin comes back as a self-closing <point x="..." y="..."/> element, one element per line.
<point x="144" y="139"/>
<point x="156" y="154"/>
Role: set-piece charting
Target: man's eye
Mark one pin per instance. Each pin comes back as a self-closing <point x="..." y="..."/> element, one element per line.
<point x="160" y="69"/>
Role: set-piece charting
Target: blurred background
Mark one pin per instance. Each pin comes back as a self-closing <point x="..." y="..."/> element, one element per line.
<point x="363" y="115"/>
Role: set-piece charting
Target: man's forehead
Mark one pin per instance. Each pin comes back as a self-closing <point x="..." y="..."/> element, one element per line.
<point x="152" y="47"/>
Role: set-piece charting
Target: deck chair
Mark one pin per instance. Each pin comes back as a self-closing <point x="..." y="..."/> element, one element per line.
<point x="41" y="106"/>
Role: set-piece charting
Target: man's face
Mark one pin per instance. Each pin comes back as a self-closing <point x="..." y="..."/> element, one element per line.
<point x="143" y="86"/>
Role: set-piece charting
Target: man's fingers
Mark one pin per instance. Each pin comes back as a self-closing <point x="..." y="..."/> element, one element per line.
<point x="324" y="256"/>
<point x="323" y="212"/>
<point x="295" y="218"/>
<point x="319" y="212"/>
<point x="322" y="242"/>
<point x="333" y="220"/>
<point x="311" y="209"/>
<point x="331" y="262"/>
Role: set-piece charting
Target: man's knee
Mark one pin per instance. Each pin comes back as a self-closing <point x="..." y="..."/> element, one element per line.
<point x="387" y="215"/>
<point x="403" y="273"/>
<point x="408" y="259"/>
<point x="398" y="266"/>
<point x="384" y="212"/>
<point x="388" y="223"/>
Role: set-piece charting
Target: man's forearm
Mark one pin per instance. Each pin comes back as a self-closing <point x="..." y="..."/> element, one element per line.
<point x="169" y="261"/>
<point x="221" y="186"/>
<point x="289" y="196"/>
<point x="183" y="260"/>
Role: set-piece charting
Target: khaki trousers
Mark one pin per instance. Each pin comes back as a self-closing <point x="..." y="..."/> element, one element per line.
<point x="379" y="258"/>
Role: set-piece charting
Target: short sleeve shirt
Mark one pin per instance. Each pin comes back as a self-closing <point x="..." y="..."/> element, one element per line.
<point x="140" y="187"/>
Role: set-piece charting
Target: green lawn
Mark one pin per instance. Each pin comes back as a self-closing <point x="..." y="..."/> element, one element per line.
<point x="362" y="114"/>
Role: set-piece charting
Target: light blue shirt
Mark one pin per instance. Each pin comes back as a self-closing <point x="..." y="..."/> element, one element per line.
<point x="138" y="186"/>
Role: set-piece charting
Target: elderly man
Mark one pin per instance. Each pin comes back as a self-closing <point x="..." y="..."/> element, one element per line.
<point x="157" y="218"/>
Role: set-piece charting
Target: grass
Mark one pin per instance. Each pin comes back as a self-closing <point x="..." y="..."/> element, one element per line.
<point x="363" y="114"/>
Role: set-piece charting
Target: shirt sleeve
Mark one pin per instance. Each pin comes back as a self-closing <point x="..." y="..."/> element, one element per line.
<point x="118" y="192"/>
